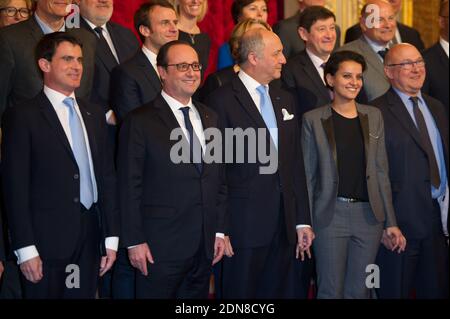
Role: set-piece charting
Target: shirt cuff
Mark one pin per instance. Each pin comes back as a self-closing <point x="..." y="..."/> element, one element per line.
<point x="112" y="243"/>
<point x="108" y="115"/>
<point x="26" y="253"/>
<point x="302" y="226"/>
<point x="220" y="235"/>
<point x="132" y="246"/>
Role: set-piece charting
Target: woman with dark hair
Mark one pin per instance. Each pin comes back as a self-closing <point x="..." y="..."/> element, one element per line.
<point x="348" y="183"/>
<point x="14" y="11"/>
<point x="241" y="10"/>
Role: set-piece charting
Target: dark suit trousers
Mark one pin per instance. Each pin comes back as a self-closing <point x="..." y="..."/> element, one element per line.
<point x="423" y="267"/>
<point x="86" y="256"/>
<point x="262" y="272"/>
<point x="123" y="277"/>
<point x="177" y="279"/>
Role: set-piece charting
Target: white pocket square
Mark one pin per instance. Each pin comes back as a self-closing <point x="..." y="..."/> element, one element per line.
<point x="286" y="115"/>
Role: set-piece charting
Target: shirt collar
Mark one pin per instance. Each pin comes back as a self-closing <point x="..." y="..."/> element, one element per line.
<point x="93" y="26"/>
<point x="45" y="27"/>
<point x="174" y="104"/>
<point x="149" y="54"/>
<point x="405" y="97"/>
<point x="250" y="83"/>
<point x="56" y="98"/>
<point x="376" y="46"/>
<point x="315" y="59"/>
<point x="444" y="45"/>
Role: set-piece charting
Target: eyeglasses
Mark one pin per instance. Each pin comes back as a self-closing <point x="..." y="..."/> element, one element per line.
<point x="11" y="11"/>
<point x="407" y="66"/>
<point x="183" y="67"/>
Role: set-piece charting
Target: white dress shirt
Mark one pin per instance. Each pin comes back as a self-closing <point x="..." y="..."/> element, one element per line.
<point x="444" y="45"/>
<point x="317" y="64"/>
<point x="251" y="84"/>
<point x="56" y="99"/>
<point x="376" y="47"/>
<point x="151" y="56"/>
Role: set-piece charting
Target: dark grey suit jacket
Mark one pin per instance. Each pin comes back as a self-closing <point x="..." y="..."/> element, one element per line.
<point x="21" y="79"/>
<point x="292" y="43"/>
<point x="375" y="81"/>
<point x="320" y="157"/>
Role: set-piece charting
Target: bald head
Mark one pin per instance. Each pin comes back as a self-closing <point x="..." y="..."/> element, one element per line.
<point x="405" y="68"/>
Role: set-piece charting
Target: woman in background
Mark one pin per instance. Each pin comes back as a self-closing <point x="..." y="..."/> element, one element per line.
<point x="241" y="10"/>
<point x="190" y="13"/>
<point x="14" y="11"/>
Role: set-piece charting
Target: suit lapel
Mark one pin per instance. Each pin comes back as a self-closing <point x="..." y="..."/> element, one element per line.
<point x="148" y="70"/>
<point x="277" y="107"/>
<point x="52" y="118"/>
<point x="90" y="129"/>
<point x="400" y="112"/>
<point x="364" y="122"/>
<point x="116" y="41"/>
<point x="371" y="57"/>
<point x="36" y="31"/>
<point x="312" y="73"/>
<point x="327" y="123"/>
<point x="247" y="103"/>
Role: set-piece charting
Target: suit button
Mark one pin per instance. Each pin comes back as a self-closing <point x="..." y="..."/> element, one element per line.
<point x="76" y="200"/>
<point x="76" y="176"/>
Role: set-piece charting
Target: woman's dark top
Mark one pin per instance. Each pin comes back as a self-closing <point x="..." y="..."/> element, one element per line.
<point x="351" y="158"/>
<point x="201" y="43"/>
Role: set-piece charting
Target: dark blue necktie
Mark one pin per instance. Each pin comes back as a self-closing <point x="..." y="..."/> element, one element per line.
<point x="195" y="148"/>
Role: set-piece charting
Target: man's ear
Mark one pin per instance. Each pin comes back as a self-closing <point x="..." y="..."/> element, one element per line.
<point x="329" y="79"/>
<point x="44" y="65"/>
<point x="303" y="33"/>
<point x="252" y="58"/>
<point x="388" y="72"/>
<point x="145" y="31"/>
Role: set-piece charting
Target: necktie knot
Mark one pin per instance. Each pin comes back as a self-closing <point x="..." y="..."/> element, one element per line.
<point x="69" y="101"/>
<point x="185" y="110"/>
<point x="99" y="31"/>
<point x="383" y="53"/>
<point x="323" y="65"/>
<point x="262" y="90"/>
<point x="414" y="100"/>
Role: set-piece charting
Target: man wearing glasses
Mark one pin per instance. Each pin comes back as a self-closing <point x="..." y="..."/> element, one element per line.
<point x="416" y="129"/>
<point x="172" y="215"/>
<point x="14" y="11"/>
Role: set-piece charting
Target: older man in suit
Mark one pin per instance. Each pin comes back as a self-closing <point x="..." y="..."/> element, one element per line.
<point x="115" y="45"/>
<point x="287" y="30"/>
<point x="59" y="180"/>
<point x="172" y="213"/>
<point x="403" y="34"/>
<point x="436" y="58"/>
<point x="263" y="233"/>
<point x="373" y="45"/>
<point x="416" y="130"/>
<point x="137" y="82"/>
<point x="20" y="78"/>
<point x="303" y="74"/>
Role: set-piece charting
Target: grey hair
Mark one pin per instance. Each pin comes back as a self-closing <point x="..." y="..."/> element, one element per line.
<point x="251" y="41"/>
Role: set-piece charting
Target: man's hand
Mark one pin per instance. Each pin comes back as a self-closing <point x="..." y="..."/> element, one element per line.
<point x="1" y="269"/>
<point x="393" y="239"/>
<point x="305" y="237"/>
<point x="139" y="256"/>
<point x="219" y="249"/>
<point x="111" y="119"/>
<point x="228" y="248"/>
<point x="32" y="269"/>
<point x="107" y="261"/>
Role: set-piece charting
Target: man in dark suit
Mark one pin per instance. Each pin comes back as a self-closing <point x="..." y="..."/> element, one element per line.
<point x="59" y="181"/>
<point x="416" y="131"/>
<point x="287" y="30"/>
<point x="403" y="34"/>
<point x="20" y="78"/>
<point x="172" y="213"/>
<point x="436" y="58"/>
<point x="2" y="249"/>
<point x="303" y="74"/>
<point x="262" y="233"/>
<point x="115" y="45"/>
<point x="137" y="82"/>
